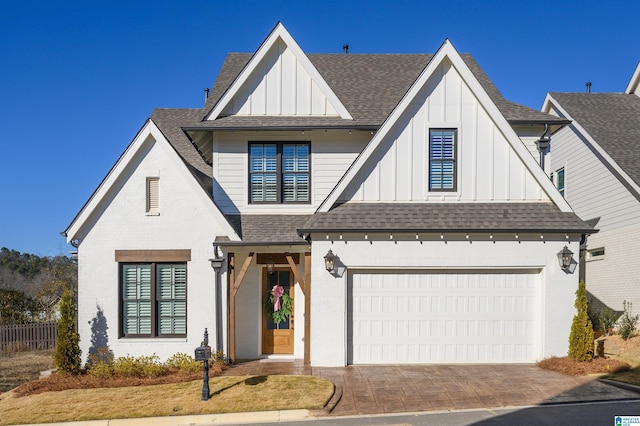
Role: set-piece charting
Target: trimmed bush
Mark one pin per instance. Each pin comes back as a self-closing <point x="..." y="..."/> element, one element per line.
<point x="581" y="337"/>
<point x="627" y="322"/>
<point x="184" y="362"/>
<point x="67" y="355"/>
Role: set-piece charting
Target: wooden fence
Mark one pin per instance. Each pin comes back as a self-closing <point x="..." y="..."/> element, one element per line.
<point x="28" y="336"/>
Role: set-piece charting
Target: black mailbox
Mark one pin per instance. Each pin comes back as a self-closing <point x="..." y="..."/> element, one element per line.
<point x="203" y="353"/>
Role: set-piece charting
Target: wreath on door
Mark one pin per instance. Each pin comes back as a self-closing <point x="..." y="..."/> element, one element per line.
<point x="278" y="305"/>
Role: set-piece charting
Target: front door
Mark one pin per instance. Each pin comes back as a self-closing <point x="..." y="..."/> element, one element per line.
<point x="277" y="338"/>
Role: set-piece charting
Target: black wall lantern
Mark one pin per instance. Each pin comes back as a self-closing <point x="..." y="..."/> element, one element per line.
<point x="565" y="257"/>
<point x="329" y="261"/>
<point x="270" y="265"/>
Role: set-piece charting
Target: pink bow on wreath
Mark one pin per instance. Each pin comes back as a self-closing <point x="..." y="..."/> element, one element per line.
<point x="277" y="292"/>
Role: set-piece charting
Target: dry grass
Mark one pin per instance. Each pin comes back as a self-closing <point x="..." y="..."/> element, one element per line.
<point x="17" y="368"/>
<point x="228" y="394"/>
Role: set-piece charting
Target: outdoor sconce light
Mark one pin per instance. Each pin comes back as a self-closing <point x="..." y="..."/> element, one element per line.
<point x="329" y="261"/>
<point x="270" y="265"/>
<point x="565" y="256"/>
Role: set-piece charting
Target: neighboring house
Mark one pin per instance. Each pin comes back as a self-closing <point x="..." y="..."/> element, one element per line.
<point x="412" y="170"/>
<point x="596" y="165"/>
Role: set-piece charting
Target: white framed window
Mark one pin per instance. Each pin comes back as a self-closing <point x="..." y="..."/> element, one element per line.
<point x="557" y="178"/>
<point x="153" y="196"/>
<point x="442" y="160"/>
<point x="596" y="253"/>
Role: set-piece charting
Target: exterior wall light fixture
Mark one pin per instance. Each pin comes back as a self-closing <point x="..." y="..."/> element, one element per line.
<point x="565" y="257"/>
<point x="270" y="265"/>
<point x="329" y="261"/>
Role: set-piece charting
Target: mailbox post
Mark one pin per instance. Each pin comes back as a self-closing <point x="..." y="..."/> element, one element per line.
<point x="203" y="353"/>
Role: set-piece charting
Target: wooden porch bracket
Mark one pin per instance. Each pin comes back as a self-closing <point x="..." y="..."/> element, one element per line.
<point x="234" y="285"/>
<point x="305" y="285"/>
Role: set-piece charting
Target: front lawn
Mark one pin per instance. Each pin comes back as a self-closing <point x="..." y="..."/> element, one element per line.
<point x="228" y="394"/>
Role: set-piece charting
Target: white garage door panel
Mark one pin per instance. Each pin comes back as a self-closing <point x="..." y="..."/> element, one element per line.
<point x="443" y="317"/>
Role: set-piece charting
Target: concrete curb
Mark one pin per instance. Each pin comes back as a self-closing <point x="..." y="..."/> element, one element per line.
<point x="327" y="409"/>
<point x="199" y="420"/>
<point x="621" y="385"/>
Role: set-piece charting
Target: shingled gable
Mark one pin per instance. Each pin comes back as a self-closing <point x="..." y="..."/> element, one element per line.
<point x="177" y="151"/>
<point x="279" y="34"/>
<point x="610" y="122"/>
<point x="447" y="51"/>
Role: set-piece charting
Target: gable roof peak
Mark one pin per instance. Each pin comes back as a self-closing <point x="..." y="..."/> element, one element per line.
<point x="278" y="34"/>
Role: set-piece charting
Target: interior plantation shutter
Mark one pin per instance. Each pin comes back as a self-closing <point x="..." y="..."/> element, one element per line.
<point x="442" y="153"/>
<point x="136" y="288"/>
<point x="172" y="299"/>
<point x="153" y="195"/>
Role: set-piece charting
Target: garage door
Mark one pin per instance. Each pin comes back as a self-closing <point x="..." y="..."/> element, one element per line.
<point x="462" y="317"/>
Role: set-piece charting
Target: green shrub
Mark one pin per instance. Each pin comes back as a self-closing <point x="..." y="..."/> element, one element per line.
<point x="607" y="321"/>
<point x="142" y="366"/>
<point x="581" y="337"/>
<point x="627" y="322"/>
<point x="67" y="355"/>
<point x="184" y="362"/>
<point x="219" y="358"/>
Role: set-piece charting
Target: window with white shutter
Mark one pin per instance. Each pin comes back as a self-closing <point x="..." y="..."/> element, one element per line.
<point x="279" y="172"/>
<point x="442" y="160"/>
<point x="154" y="299"/>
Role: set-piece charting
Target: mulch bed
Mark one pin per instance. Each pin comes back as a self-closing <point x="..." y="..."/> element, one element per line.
<point x="571" y="367"/>
<point x="58" y="382"/>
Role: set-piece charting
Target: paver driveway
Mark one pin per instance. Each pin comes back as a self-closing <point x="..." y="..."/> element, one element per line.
<point x="410" y="388"/>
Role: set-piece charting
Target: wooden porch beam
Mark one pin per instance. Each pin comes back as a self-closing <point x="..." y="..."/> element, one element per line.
<point x="296" y="273"/>
<point x="234" y="285"/>
<point x="307" y="309"/>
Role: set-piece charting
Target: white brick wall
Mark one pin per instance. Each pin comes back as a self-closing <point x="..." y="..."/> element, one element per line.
<point x="616" y="276"/>
<point x="120" y="223"/>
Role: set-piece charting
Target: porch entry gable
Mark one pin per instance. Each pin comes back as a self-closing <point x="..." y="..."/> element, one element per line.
<point x="236" y="280"/>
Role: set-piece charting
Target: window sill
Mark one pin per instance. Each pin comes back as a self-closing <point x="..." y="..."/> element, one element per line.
<point x="152" y="339"/>
<point x="152" y="214"/>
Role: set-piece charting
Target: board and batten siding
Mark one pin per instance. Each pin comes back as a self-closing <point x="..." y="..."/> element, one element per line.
<point x="269" y="91"/>
<point x="590" y="188"/>
<point x="487" y="166"/>
<point x="332" y="152"/>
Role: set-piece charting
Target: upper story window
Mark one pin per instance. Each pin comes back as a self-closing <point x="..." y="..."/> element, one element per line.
<point x="442" y="159"/>
<point x="558" y="180"/>
<point x="279" y="172"/>
<point x="154" y="299"/>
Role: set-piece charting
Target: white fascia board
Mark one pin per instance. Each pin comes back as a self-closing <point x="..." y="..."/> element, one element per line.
<point x="279" y="32"/>
<point x="448" y="51"/>
<point x="634" y="82"/>
<point x="148" y="131"/>
<point x="601" y="151"/>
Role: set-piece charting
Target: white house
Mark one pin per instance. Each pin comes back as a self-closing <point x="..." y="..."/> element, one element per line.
<point x="596" y="165"/>
<point x="411" y="171"/>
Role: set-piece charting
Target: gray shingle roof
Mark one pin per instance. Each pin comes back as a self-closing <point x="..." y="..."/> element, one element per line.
<point x="170" y="122"/>
<point x="369" y="86"/>
<point x="613" y="120"/>
<point x="266" y="229"/>
<point x="437" y="217"/>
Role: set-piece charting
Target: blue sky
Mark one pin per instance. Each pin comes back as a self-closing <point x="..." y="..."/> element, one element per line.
<point x="78" y="78"/>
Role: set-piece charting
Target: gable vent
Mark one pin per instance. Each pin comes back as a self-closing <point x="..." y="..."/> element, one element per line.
<point x="153" y="195"/>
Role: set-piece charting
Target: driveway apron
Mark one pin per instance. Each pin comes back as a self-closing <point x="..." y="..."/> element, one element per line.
<point x="410" y="388"/>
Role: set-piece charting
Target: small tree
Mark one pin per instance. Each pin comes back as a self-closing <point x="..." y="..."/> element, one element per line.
<point x="67" y="355"/>
<point x="581" y="337"/>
